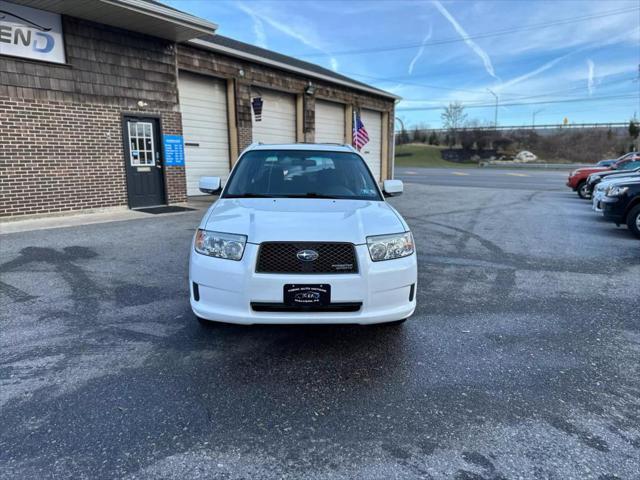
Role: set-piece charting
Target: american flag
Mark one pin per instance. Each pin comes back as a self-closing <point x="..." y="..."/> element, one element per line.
<point x="360" y="135"/>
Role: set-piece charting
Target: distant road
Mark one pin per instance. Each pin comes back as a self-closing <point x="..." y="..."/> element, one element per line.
<point x="519" y="179"/>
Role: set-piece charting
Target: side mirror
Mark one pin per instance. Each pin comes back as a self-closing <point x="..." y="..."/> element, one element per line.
<point x="392" y="188"/>
<point x="210" y="185"/>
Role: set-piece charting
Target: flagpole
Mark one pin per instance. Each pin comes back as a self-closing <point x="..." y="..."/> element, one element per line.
<point x="353" y="129"/>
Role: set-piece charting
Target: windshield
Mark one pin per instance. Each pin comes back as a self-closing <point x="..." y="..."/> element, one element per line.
<point x="630" y="165"/>
<point x="302" y="174"/>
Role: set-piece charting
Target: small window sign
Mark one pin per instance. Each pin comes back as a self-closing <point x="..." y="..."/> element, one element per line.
<point x="256" y="104"/>
<point x="173" y="150"/>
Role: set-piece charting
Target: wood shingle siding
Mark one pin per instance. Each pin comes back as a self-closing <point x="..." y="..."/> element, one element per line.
<point x="104" y="65"/>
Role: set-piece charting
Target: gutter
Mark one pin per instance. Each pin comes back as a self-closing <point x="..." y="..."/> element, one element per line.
<point x="285" y="66"/>
<point x="167" y="14"/>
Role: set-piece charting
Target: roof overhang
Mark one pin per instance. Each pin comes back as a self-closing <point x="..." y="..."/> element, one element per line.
<point x="204" y="44"/>
<point x="142" y="16"/>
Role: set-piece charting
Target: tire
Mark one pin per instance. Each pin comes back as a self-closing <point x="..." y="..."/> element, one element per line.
<point x="633" y="220"/>
<point x="583" y="190"/>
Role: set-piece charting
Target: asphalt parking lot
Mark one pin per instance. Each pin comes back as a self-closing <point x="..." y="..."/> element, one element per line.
<point x="521" y="362"/>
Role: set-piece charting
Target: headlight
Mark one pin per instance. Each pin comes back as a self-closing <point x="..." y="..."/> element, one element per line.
<point x="388" y="247"/>
<point x="615" y="191"/>
<point x="221" y="245"/>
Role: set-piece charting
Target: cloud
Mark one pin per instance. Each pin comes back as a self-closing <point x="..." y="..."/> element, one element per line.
<point x="258" y="29"/>
<point x="591" y="66"/>
<point x="606" y="21"/>
<point x="420" y="51"/>
<point x="465" y="36"/>
<point x="258" y="25"/>
<point x="590" y="73"/>
<point x="288" y="29"/>
<point x="543" y="68"/>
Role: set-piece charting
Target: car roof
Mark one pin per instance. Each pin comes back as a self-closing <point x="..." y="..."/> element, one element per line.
<point x="315" y="147"/>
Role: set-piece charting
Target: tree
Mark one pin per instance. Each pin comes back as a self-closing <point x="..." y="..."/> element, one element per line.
<point x="402" y="137"/>
<point x="433" y="139"/>
<point x="634" y="129"/>
<point x="449" y="140"/>
<point x="453" y="116"/>
<point x="417" y="136"/>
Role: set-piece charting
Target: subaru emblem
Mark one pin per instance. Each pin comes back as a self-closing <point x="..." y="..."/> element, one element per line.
<point x="307" y="255"/>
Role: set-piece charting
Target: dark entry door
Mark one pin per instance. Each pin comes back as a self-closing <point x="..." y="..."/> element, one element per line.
<point x="145" y="180"/>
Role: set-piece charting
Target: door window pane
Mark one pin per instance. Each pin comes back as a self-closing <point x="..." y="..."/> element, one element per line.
<point x="142" y="151"/>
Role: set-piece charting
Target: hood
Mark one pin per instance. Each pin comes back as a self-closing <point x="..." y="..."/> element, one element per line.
<point x="302" y="219"/>
<point x="624" y="178"/>
<point x="618" y="173"/>
<point x="590" y="170"/>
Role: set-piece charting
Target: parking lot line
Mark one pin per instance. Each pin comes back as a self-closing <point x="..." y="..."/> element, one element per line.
<point x="517" y="174"/>
<point x="459" y="173"/>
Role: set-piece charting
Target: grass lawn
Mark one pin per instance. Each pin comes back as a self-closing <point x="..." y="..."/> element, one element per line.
<point x="419" y="155"/>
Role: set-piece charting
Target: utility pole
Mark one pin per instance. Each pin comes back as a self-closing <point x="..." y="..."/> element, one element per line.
<point x="495" y="117"/>
<point x="533" y="119"/>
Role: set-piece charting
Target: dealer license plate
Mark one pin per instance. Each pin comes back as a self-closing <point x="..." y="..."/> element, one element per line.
<point x="307" y="295"/>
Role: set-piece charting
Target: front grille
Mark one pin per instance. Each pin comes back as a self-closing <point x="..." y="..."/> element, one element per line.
<point x="281" y="307"/>
<point x="281" y="257"/>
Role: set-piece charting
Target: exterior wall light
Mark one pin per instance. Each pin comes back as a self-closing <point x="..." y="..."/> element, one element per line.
<point x="311" y="89"/>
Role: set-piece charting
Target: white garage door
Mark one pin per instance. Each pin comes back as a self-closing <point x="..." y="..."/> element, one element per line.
<point x="372" y="151"/>
<point x="329" y="122"/>
<point x="203" y="103"/>
<point x="278" y="123"/>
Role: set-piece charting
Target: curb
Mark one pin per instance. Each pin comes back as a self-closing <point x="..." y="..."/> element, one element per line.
<point x="539" y="166"/>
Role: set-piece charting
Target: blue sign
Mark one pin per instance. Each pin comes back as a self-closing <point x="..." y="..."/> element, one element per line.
<point x="173" y="150"/>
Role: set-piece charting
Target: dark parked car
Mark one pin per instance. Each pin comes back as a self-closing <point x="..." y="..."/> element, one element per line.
<point x="578" y="178"/>
<point x="621" y="204"/>
<point x="595" y="178"/>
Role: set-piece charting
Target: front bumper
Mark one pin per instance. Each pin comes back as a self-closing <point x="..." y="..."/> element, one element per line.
<point x="596" y="200"/>
<point x="228" y="288"/>
<point x="612" y="210"/>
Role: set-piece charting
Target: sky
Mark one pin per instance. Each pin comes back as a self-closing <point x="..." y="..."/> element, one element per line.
<point x="544" y="60"/>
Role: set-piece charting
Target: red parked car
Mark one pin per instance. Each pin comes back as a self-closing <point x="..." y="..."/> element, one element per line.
<point x="578" y="178"/>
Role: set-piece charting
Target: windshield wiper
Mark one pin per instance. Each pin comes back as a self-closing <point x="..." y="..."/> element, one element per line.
<point x="274" y="195"/>
<point x="310" y="195"/>
<point x="250" y="195"/>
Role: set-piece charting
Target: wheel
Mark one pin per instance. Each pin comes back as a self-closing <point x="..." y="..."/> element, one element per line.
<point x="583" y="191"/>
<point x="633" y="220"/>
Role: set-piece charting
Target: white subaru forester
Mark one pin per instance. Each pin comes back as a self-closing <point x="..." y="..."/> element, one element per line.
<point x="302" y="234"/>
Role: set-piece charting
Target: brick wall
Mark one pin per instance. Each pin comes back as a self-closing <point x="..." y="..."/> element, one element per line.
<point x="57" y="157"/>
<point x="61" y="125"/>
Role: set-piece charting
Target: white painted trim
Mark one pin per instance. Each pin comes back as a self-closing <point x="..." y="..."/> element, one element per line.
<point x="167" y="14"/>
<point x="284" y="66"/>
